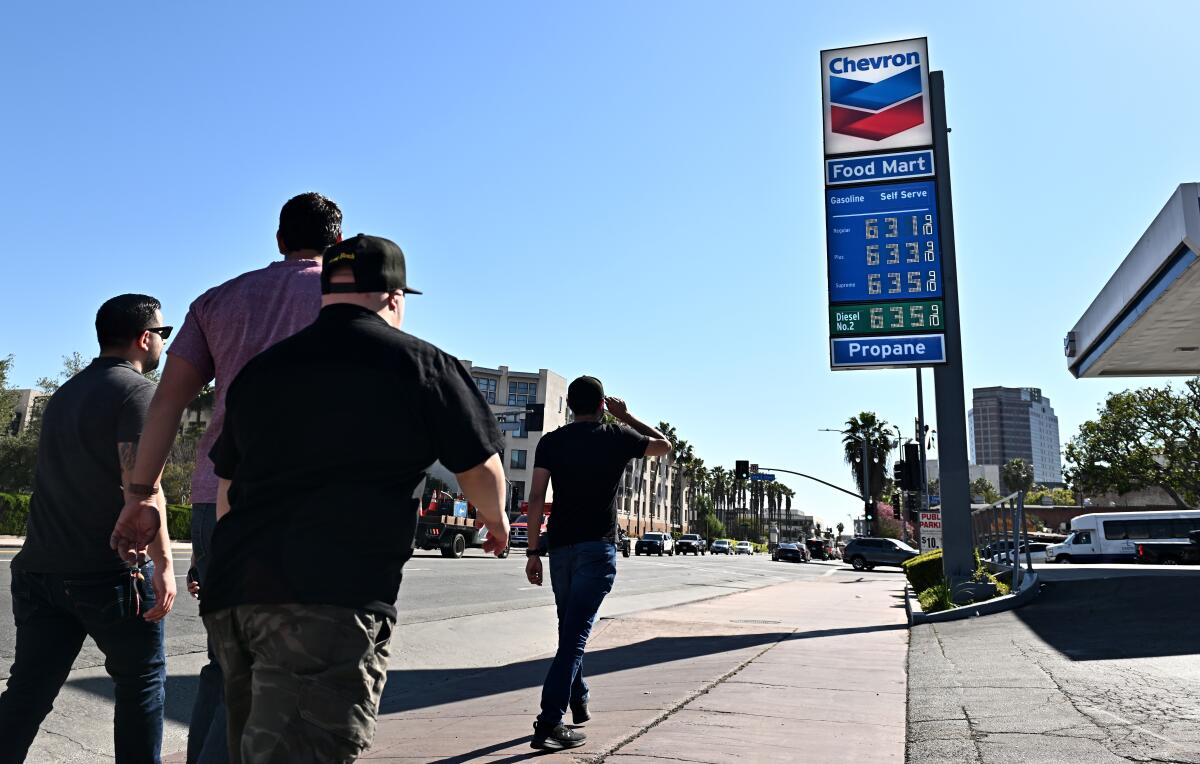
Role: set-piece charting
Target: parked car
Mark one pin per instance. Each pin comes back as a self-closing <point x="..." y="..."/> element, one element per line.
<point x="691" y="543"/>
<point x="1170" y="552"/>
<point x="866" y="553"/>
<point x="655" y="543"/>
<point x="744" y="547"/>
<point x="722" y="546"/>
<point x="1037" y="551"/>
<point x="790" y="553"/>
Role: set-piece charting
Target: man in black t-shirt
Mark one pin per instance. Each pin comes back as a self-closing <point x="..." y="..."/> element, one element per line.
<point x="585" y="461"/>
<point x="327" y="435"/>
<point x="67" y="583"/>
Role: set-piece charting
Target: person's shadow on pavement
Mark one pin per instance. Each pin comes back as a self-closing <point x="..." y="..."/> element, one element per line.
<point x="463" y="758"/>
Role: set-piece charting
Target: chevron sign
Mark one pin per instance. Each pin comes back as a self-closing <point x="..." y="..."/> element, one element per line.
<point x="876" y="97"/>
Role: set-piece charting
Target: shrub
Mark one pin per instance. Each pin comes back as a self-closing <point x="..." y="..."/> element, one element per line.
<point x="14" y="514"/>
<point x="924" y="570"/>
<point x="179" y="522"/>
<point x="935" y="598"/>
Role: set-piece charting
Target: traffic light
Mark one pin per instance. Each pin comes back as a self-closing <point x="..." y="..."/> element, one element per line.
<point x="535" y="417"/>
<point x="741" y="469"/>
<point x="900" y="475"/>
<point x="912" y="465"/>
<point x="897" y="499"/>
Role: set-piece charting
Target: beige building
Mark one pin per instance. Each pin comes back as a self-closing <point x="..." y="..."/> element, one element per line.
<point x="24" y="411"/>
<point x="652" y="497"/>
<point x="516" y="397"/>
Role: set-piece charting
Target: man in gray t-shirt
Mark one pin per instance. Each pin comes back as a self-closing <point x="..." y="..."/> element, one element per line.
<point x="67" y="583"/>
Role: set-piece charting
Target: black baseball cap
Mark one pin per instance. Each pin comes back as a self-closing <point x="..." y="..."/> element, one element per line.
<point x="584" y="395"/>
<point x="378" y="266"/>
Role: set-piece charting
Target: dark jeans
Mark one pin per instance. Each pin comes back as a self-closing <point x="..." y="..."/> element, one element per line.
<point x="54" y="613"/>
<point x="581" y="575"/>
<point x="207" y="736"/>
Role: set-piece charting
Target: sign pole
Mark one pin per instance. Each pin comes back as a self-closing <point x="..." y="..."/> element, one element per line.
<point x="954" y="474"/>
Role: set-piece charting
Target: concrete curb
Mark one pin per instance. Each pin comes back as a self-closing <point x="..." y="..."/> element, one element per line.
<point x="1030" y="586"/>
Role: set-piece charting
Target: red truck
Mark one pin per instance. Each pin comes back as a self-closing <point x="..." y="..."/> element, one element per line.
<point x="520" y="526"/>
<point x="448" y="524"/>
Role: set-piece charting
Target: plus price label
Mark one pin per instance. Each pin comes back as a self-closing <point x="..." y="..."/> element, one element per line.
<point x="883" y="243"/>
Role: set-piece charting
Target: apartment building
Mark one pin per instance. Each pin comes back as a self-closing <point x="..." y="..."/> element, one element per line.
<point x="517" y="398"/>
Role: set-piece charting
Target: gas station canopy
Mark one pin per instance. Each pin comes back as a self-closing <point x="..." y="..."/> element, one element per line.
<point x="1146" y="320"/>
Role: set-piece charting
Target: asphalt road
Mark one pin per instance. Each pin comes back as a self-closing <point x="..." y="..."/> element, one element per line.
<point x="473" y="612"/>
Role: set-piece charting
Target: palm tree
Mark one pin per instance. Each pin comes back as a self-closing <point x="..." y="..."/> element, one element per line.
<point x="876" y="433"/>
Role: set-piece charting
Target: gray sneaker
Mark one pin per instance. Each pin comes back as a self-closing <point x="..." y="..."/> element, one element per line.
<point x="557" y="738"/>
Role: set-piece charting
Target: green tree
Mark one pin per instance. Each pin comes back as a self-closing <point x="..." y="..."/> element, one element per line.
<point x="874" y="431"/>
<point x="1143" y="438"/>
<point x="706" y="516"/>
<point x="983" y="487"/>
<point x="8" y="398"/>
<point x="1017" y="475"/>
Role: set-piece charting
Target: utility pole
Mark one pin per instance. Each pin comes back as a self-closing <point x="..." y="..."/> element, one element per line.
<point x="924" y="498"/>
<point x="953" y="472"/>
<point x="866" y="460"/>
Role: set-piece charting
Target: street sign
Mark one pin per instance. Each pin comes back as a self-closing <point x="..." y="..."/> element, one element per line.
<point x="763" y="476"/>
<point x="876" y="97"/>
<point x="931" y="530"/>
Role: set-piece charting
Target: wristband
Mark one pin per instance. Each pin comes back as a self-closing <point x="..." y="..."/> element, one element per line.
<point x="141" y="490"/>
<point x="535" y="552"/>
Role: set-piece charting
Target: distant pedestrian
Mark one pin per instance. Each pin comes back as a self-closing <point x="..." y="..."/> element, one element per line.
<point x="585" y="461"/>
<point x="226" y="327"/>
<point x="327" y="436"/>
<point x="67" y="583"/>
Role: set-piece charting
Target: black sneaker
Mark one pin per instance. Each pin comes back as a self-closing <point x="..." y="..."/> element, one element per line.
<point x="557" y="738"/>
<point x="579" y="713"/>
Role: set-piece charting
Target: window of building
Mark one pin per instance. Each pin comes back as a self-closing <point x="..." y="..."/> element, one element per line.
<point x="521" y="393"/>
<point x="487" y="387"/>
<point x="519" y="457"/>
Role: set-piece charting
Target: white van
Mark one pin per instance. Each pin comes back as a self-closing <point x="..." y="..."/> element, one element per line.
<point x="1114" y="536"/>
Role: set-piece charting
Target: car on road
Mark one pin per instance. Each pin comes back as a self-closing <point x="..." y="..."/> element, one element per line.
<point x="691" y="543"/>
<point x="519" y="535"/>
<point x="744" y="547"/>
<point x="866" y="553"/>
<point x="790" y="553"/>
<point x="819" y="549"/>
<point x="655" y="543"/>
<point x="722" y="546"/>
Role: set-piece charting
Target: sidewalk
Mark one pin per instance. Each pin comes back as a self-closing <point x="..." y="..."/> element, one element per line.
<point x="812" y="670"/>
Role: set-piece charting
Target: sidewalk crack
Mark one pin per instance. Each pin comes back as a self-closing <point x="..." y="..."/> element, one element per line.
<point x="616" y="748"/>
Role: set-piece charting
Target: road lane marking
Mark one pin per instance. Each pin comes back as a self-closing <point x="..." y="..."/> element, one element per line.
<point x="830" y="572"/>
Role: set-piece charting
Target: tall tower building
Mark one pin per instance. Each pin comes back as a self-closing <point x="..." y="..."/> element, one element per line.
<point x="1016" y="423"/>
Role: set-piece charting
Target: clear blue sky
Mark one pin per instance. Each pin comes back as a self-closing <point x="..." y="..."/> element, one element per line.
<point x="626" y="189"/>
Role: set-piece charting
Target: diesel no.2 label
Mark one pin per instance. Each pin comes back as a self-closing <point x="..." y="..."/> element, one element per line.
<point x="886" y="317"/>
<point x="883" y="242"/>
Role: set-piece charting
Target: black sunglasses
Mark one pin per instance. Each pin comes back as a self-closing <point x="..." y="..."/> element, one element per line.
<point x="161" y="331"/>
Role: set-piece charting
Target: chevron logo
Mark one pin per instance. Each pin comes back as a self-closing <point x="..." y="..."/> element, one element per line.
<point x="876" y="110"/>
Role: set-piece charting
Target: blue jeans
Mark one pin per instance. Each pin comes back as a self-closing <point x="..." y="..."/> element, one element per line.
<point x="54" y="613"/>
<point x="207" y="737"/>
<point x="581" y="575"/>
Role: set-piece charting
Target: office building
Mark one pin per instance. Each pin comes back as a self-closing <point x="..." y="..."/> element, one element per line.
<point x="1016" y="423"/>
